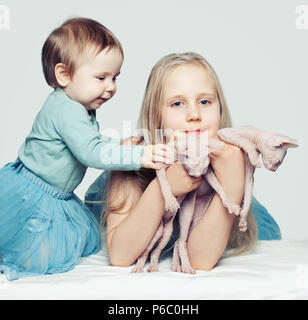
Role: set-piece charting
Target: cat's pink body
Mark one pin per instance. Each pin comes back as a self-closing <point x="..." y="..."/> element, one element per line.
<point x="273" y="148"/>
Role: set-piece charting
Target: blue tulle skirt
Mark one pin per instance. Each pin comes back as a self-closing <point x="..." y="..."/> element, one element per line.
<point x="42" y="229"/>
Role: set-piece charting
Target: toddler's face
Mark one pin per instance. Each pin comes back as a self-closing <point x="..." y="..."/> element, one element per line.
<point x="190" y="100"/>
<point x="94" y="81"/>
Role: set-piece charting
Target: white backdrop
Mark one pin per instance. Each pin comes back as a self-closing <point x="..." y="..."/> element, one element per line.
<point x="259" y="50"/>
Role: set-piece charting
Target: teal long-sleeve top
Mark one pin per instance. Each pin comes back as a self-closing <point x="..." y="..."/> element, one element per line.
<point x="65" y="141"/>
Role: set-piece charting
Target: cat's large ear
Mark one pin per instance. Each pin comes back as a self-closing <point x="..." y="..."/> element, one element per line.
<point x="279" y="140"/>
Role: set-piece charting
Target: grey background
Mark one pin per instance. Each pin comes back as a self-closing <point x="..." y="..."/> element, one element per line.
<point x="255" y="47"/>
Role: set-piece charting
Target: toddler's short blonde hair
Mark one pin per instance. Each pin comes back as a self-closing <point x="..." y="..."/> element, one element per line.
<point x="68" y="43"/>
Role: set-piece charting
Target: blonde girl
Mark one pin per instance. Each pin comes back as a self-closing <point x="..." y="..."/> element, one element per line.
<point x="183" y="93"/>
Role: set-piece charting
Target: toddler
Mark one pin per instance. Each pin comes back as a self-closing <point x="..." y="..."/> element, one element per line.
<point x="44" y="226"/>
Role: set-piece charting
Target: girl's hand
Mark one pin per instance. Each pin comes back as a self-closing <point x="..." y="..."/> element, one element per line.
<point x="180" y="181"/>
<point x="154" y="156"/>
<point x="229" y="167"/>
<point x="129" y="141"/>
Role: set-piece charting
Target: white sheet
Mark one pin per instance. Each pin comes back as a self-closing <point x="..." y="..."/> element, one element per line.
<point x="276" y="270"/>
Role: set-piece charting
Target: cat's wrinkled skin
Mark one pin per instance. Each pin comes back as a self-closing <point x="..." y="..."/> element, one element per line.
<point x="193" y="152"/>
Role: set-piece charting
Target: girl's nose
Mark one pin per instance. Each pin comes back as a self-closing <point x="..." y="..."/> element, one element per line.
<point x="193" y="113"/>
<point x="111" y="86"/>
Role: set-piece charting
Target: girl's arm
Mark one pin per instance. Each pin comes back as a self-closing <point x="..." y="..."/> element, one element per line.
<point x="71" y="125"/>
<point x="209" y="237"/>
<point x="129" y="234"/>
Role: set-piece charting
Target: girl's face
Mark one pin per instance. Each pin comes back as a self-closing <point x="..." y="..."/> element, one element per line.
<point x="94" y="81"/>
<point x="190" y="100"/>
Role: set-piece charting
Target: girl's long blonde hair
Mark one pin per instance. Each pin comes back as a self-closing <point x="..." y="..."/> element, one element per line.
<point x="151" y="119"/>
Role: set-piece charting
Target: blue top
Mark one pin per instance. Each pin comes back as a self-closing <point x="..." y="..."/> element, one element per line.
<point x="65" y="140"/>
<point x="268" y="229"/>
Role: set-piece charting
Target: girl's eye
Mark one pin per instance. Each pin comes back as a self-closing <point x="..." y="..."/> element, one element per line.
<point x="204" y="102"/>
<point x="103" y="78"/>
<point x="176" y="104"/>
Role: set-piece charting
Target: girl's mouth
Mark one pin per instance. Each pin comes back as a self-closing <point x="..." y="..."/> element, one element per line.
<point x="101" y="100"/>
<point x="195" y="131"/>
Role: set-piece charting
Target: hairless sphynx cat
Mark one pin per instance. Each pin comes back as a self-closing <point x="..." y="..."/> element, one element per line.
<point x="192" y="151"/>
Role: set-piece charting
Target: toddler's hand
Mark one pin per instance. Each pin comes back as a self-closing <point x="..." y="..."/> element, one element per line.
<point x="129" y="141"/>
<point x="154" y="156"/>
